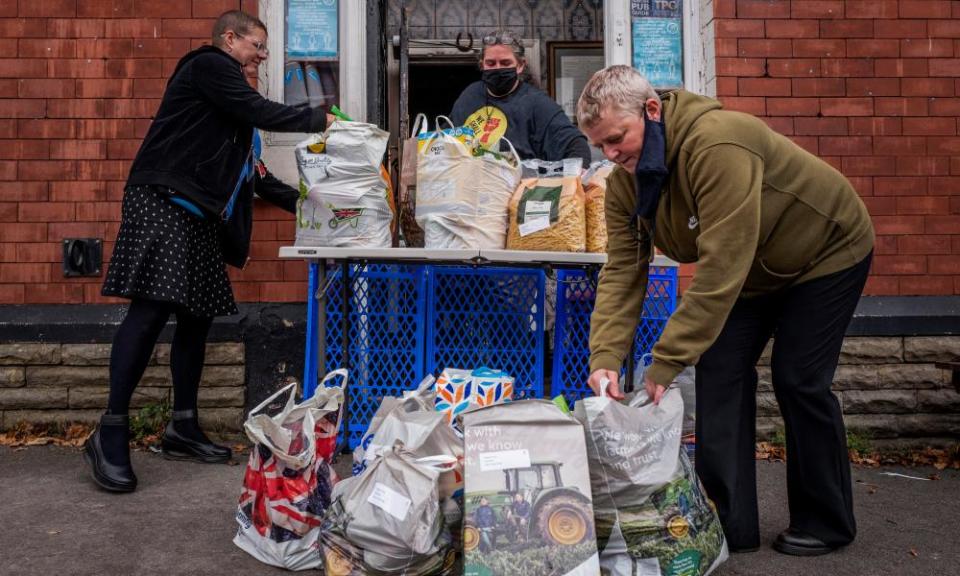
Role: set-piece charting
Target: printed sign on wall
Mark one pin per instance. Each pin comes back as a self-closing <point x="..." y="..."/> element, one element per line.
<point x="312" y="29"/>
<point x="657" y="31"/>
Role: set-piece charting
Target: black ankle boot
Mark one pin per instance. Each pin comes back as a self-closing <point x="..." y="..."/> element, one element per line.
<point x="184" y="440"/>
<point x="108" y="453"/>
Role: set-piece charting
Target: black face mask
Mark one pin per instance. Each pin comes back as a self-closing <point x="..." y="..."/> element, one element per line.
<point x="651" y="169"/>
<point x="499" y="81"/>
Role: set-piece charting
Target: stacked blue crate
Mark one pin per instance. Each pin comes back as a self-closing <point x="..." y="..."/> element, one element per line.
<point x="386" y="339"/>
<point x="487" y="317"/>
<point x="576" y="291"/>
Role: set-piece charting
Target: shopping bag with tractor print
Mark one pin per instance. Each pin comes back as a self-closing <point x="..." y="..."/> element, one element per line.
<point x="527" y="501"/>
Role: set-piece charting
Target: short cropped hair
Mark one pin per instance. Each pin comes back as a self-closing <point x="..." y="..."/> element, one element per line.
<point x="238" y="21"/>
<point x="620" y="87"/>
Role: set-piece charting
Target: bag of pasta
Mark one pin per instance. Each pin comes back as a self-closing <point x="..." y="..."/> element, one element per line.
<point x="595" y="193"/>
<point x="547" y="209"/>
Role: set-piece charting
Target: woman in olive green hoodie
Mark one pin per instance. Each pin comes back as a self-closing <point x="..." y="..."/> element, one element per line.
<point x="782" y="245"/>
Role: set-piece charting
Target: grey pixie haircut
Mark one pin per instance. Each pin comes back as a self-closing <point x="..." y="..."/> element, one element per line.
<point x="238" y="21"/>
<point x="619" y="87"/>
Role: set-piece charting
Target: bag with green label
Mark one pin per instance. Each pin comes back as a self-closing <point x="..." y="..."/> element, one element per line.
<point x="652" y="514"/>
<point x="547" y="210"/>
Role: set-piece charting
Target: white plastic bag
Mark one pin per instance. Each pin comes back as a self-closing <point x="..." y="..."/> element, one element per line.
<point x="652" y="514"/>
<point x="462" y="197"/>
<point x="343" y="190"/>
<point x="289" y="480"/>
<point x="392" y="510"/>
<point x="423" y="431"/>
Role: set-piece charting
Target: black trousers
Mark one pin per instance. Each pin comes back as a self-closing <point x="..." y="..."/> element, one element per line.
<point x="133" y="346"/>
<point x="808" y="323"/>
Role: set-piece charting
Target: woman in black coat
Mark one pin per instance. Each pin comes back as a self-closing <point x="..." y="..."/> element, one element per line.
<point x="187" y="209"/>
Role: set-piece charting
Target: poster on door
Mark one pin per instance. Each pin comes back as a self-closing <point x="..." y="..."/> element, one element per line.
<point x="312" y="29"/>
<point x="657" y="33"/>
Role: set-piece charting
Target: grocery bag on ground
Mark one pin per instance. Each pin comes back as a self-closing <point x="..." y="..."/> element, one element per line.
<point x="528" y="506"/>
<point x="547" y="209"/>
<point x="595" y="194"/>
<point x="423" y="431"/>
<point x="463" y="191"/>
<point x="345" y="198"/>
<point x="457" y="390"/>
<point x="289" y="478"/>
<point x="390" y="514"/>
<point x="652" y="514"/>
<point x="407" y="199"/>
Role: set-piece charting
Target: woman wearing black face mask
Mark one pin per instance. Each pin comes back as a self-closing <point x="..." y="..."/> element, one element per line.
<point x="503" y="104"/>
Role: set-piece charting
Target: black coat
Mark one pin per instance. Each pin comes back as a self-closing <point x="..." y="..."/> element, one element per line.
<point x="202" y="132"/>
<point x="235" y="233"/>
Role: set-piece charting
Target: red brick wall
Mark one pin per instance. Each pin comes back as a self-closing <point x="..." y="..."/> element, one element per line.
<point x="79" y="83"/>
<point x="872" y="88"/>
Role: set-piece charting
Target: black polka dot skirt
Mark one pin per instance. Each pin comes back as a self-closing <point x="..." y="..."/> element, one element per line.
<point x="167" y="254"/>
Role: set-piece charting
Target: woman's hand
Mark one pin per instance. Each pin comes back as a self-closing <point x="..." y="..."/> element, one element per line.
<point x="613" y="389"/>
<point x="654" y="391"/>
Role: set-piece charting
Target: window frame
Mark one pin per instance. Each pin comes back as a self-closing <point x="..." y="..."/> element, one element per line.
<point x="352" y="77"/>
<point x="697" y="41"/>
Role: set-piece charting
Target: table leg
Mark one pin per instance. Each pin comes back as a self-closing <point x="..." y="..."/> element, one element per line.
<point x="345" y="296"/>
<point x="313" y="335"/>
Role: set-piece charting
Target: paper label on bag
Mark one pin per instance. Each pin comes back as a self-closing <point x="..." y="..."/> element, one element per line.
<point x="492" y="461"/>
<point x="534" y="225"/>
<point x="390" y="501"/>
<point x="536" y="209"/>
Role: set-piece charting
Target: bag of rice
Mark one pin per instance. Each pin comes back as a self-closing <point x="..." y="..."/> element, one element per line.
<point x="547" y="209"/>
<point x="595" y="193"/>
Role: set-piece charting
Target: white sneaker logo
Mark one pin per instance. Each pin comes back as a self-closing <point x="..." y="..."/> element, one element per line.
<point x="693" y="222"/>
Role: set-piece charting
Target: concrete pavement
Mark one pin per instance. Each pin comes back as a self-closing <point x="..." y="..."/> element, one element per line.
<point x="181" y="521"/>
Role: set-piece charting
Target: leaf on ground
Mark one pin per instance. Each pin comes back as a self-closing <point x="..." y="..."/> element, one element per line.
<point x="914" y="553"/>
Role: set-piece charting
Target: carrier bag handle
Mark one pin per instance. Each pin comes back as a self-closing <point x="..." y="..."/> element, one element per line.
<point x="420" y="125"/>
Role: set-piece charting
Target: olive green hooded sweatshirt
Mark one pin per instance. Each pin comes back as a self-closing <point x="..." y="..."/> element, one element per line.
<point x="756" y="212"/>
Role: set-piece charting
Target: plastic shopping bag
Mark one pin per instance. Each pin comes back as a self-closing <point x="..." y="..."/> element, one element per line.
<point x="423" y="431"/>
<point x="547" y="208"/>
<point x="345" y="198"/>
<point x="652" y="514"/>
<point x="391" y="512"/>
<point x="463" y="191"/>
<point x="528" y="503"/>
<point x="289" y="478"/>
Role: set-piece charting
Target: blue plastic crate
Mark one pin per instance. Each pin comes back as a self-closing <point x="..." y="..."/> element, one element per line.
<point x="386" y="339"/>
<point x="576" y="291"/>
<point x="487" y="317"/>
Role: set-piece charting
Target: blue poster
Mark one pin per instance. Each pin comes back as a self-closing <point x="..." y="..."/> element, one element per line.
<point x="312" y="29"/>
<point x="658" y="50"/>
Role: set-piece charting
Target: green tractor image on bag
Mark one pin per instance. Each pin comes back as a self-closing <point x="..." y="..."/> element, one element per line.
<point x="533" y="507"/>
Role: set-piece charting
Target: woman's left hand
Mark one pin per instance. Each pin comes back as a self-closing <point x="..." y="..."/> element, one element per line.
<point x="654" y="390"/>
